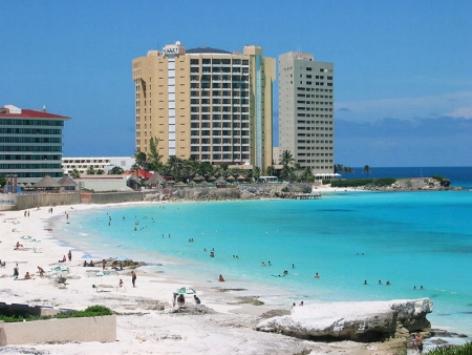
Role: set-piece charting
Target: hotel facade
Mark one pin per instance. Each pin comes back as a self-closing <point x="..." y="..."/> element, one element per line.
<point x="306" y="122"/>
<point x="205" y="104"/>
<point x="30" y="144"/>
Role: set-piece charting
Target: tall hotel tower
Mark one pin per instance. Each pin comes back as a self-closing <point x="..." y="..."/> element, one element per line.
<point x="206" y="104"/>
<point x="306" y="111"/>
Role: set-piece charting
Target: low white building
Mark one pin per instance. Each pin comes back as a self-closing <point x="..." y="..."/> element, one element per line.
<point x="101" y="183"/>
<point x="98" y="163"/>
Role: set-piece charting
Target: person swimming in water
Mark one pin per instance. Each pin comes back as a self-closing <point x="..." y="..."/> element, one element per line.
<point x="317" y="275"/>
<point x="365" y="282"/>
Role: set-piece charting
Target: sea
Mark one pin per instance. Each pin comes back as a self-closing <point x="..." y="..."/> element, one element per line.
<point x="363" y="245"/>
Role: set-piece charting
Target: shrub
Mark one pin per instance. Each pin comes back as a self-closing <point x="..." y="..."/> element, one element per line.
<point x="92" y="311"/>
<point x="465" y="349"/>
<point x="11" y="319"/>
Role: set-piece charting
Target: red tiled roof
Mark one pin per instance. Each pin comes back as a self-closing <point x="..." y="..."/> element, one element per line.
<point x="27" y="113"/>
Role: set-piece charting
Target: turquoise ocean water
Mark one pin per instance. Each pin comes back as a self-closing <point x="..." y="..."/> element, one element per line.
<point x="414" y="238"/>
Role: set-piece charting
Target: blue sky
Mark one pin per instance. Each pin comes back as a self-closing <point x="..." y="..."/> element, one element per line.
<point x="401" y="67"/>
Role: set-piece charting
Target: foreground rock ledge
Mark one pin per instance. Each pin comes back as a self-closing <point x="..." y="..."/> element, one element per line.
<point x="358" y="321"/>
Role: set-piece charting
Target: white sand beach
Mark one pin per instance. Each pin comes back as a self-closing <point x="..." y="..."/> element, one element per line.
<point x="145" y="323"/>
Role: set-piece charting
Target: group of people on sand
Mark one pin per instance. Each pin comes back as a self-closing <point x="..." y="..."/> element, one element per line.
<point x="64" y="258"/>
<point x="16" y="273"/>
<point x="179" y="300"/>
<point x="18" y="246"/>
<point x="26" y="213"/>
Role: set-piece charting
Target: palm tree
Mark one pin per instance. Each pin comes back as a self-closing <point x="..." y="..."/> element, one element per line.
<point x="90" y="170"/>
<point x="175" y="166"/>
<point x="287" y="158"/>
<point x="255" y="173"/>
<point x="307" y="176"/>
<point x="154" y="159"/>
<point x="75" y="174"/>
<point x="287" y="164"/>
<point x="141" y="159"/>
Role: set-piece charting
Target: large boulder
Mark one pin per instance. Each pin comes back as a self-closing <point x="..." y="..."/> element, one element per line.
<point x="359" y="321"/>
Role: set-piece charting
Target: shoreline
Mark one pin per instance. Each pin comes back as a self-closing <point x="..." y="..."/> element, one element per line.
<point x="154" y="288"/>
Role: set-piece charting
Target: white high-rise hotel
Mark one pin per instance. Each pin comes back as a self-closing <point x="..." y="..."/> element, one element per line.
<point x="306" y="111"/>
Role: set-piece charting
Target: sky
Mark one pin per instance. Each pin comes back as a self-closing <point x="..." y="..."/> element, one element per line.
<point x="403" y="69"/>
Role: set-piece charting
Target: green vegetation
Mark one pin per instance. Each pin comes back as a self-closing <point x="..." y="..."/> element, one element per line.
<point x="438" y="178"/>
<point x="12" y="319"/>
<point x="381" y="182"/>
<point x="90" y="170"/>
<point x="92" y="311"/>
<point x="465" y="349"/>
<point x="116" y="170"/>
<point x="185" y="170"/>
<point x="75" y="174"/>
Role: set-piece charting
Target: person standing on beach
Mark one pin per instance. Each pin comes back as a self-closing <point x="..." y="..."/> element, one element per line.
<point x="133" y="278"/>
<point x="16" y="271"/>
<point x="104" y="264"/>
<point x="69" y="255"/>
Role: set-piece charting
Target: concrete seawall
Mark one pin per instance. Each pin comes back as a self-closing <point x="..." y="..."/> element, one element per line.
<point x="101" y="329"/>
<point x="32" y="200"/>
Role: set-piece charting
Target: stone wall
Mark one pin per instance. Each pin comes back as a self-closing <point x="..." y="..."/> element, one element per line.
<point x="38" y="199"/>
<point x="54" y="330"/>
<point x="111" y="197"/>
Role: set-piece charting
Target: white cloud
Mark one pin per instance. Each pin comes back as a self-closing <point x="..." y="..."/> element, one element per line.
<point x="456" y="104"/>
<point x="461" y="112"/>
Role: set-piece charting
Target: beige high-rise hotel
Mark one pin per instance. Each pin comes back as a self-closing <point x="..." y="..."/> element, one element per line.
<point x="306" y="111"/>
<point x="206" y="104"/>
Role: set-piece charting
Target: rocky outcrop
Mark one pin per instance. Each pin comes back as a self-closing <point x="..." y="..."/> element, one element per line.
<point x="197" y="193"/>
<point x="358" y="321"/>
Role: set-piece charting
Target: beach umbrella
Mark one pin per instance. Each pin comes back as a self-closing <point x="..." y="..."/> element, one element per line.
<point x="241" y="178"/>
<point x="230" y="178"/>
<point x="211" y="178"/>
<point x="186" y="291"/>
